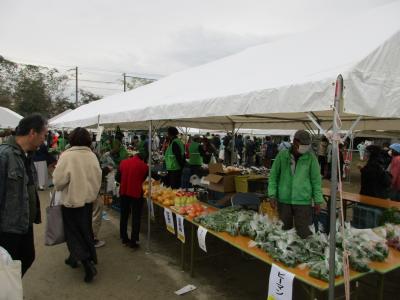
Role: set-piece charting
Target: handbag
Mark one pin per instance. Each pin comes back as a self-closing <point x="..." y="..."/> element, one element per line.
<point x="54" y="233"/>
<point x="10" y="277"/>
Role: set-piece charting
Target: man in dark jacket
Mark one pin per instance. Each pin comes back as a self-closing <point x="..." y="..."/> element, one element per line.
<point x="19" y="201"/>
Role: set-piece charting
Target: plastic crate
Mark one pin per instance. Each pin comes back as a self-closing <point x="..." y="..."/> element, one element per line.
<point x="257" y="186"/>
<point x="366" y="216"/>
<point x="241" y="184"/>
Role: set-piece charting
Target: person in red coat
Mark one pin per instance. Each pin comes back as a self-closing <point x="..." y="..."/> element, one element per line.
<point x="131" y="174"/>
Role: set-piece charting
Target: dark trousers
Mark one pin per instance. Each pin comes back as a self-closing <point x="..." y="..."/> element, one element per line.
<point x="300" y="214"/>
<point x="20" y="246"/>
<point x="135" y="205"/>
<point x="174" y="179"/>
<point x="322" y="163"/>
<point x="79" y="232"/>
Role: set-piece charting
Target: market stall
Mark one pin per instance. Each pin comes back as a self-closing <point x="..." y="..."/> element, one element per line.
<point x="287" y="84"/>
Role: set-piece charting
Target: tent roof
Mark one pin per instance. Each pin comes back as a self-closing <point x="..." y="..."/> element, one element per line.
<point x="53" y="119"/>
<point x="8" y="118"/>
<point x="272" y="85"/>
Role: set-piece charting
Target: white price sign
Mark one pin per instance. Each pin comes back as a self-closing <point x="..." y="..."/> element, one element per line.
<point x="169" y="220"/>
<point x="201" y="236"/>
<point x="280" y="284"/>
<point x="181" y="227"/>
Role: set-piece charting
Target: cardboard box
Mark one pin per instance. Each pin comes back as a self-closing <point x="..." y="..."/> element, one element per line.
<point x="218" y="169"/>
<point x="221" y="183"/>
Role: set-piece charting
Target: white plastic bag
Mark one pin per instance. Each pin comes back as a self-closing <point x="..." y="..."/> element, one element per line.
<point x="10" y="277"/>
<point x="213" y="160"/>
<point x="221" y="154"/>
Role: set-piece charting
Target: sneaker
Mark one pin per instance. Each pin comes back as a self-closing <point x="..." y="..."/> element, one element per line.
<point x="133" y="245"/>
<point x="98" y="243"/>
<point x="126" y="241"/>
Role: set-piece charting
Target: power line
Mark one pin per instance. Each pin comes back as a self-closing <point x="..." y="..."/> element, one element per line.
<point x="88" y="69"/>
<point x="96" y="81"/>
<point x="96" y="87"/>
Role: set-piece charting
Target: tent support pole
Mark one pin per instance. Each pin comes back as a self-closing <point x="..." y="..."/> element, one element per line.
<point x="233" y="145"/>
<point x="149" y="190"/>
<point x="334" y="186"/>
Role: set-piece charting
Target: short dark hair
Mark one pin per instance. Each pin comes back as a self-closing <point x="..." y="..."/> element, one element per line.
<point x="35" y="121"/>
<point x="173" y="131"/>
<point x="80" y="137"/>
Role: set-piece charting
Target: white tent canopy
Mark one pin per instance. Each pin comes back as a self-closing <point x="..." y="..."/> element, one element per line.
<point x="53" y="119"/>
<point x="275" y="84"/>
<point x="8" y="118"/>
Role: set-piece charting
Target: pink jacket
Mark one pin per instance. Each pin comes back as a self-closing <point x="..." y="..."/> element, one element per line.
<point x="395" y="171"/>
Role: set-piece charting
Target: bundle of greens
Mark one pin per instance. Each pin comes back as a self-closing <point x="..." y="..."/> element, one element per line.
<point x="363" y="245"/>
<point x="225" y="219"/>
<point x="390" y="215"/>
<point x="319" y="268"/>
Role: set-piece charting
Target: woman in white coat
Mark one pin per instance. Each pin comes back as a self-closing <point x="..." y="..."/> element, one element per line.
<point x="78" y="176"/>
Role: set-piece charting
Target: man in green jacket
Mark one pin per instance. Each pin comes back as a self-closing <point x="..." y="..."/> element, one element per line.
<point x="196" y="154"/>
<point x="174" y="158"/>
<point x="295" y="185"/>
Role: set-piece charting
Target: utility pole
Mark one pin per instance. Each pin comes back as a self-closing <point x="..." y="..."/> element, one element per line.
<point x="76" y="86"/>
<point x="124" y="82"/>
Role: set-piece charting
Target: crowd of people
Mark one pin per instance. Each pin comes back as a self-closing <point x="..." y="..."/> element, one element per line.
<point x="82" y="166"/>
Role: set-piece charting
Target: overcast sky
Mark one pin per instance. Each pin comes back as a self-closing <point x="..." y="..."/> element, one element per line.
<point x="154" y="38"/>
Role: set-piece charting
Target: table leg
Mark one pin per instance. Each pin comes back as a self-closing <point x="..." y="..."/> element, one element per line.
<point x="345" y="209"/>
<point x="312" y="293"/>
<point x="356" y="290"/>
<point x="183" y="256"/>
<point x="381" y="281"/>
<point x="192" y="249"/>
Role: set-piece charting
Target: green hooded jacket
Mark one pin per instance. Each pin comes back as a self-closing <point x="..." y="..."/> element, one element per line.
<point x="295" y="183"/>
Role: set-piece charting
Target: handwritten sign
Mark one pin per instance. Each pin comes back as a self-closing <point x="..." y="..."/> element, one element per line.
<point x="280" y="284"/>
<point x="180" y="227"/>
<point x="169" y="220"/>
<point x="201" y="237"/>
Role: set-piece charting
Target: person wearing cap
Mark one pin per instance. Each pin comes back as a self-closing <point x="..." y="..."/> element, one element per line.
<point x="394" y="169"/>
<point x="196" y="154"/>
<point x="174" y="158"/>
<point x="294" y="185"/>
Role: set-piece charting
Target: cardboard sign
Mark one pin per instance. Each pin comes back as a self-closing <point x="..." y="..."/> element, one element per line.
<point x="169" y="220"/>
<point x="201" y="237"/>
<point x="181" y="228"/>
<point x="280" y="284"/>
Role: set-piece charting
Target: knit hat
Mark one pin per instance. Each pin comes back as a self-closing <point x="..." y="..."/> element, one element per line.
<point x="303" y="137"/>
<point x="395" y="147"/>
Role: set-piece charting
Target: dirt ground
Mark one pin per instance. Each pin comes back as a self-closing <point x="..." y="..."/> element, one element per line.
<point x="123" y="273"/>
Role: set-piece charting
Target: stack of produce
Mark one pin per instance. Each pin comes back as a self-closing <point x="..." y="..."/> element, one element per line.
<point x="161" y="194"/>
<point x="288" y="248"/>
<point x="390" y="215"/>
<point x="185" y="198"/>
<point x="193" y="210"/>
<point x="391" y="233"/>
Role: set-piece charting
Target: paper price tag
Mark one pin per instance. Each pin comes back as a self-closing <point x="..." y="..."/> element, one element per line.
<point x="201" y="237"/>
<point x="280" y="284"/>
<point x="181" y="228"/>
<point x="169" y="220"/>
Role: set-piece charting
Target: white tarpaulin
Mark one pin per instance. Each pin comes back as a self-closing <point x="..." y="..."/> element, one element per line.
<point x="272" y="85"/>
<point x="8" y="118"/>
